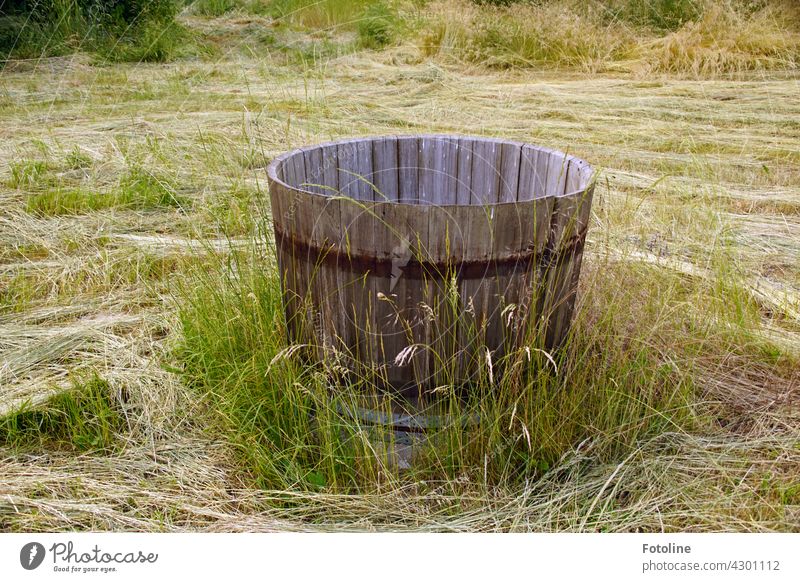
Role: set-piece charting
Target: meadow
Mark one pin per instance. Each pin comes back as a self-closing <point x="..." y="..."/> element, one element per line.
<point x="146" y="382"/>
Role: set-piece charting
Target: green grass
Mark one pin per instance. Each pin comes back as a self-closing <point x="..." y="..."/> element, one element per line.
<point x="86" y="417"/>
<point x="618" y="384"/>
<point x="139" y="189"/>
<point x="26" y="174"/>
<point x="657" y="14"/>
<point x="49" y="27"/>
<point x="379" y="26"/>
<point x="78" y="159"/>
<point x="152" y="41"/>
<point x="213" y="8"/>
<point x="144" y="189"/>
<point x="125" y="30"/>
<point x="230" y="212"/>
<point x="332" y="15"/>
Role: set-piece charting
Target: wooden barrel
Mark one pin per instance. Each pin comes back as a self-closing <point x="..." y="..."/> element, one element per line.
<point x="425" y="259"/>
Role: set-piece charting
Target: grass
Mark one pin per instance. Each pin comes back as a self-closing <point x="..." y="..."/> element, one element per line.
<point x="137" y="190"/>
<point x="524" y="36"/>
<point x="686" y="37"/>
<point x="623" y="378"/>
<point x="674" y="407"/>
<point x="26" y="173"/>
<point x="609" y="389"/>
<point x="725" y="41"/>
<point x="86" y="417"/>
<point x="125" y="31"/>
<point x="213" y="8"/>
<point x="378" y="27"/>
<point x="660" y="14"/>
<point x="149" y="42"/>
<point x="230" y="211"/>
<point x="78" y="159"/>
<point x="319" y="14"/>
<point x="108" y="271"/>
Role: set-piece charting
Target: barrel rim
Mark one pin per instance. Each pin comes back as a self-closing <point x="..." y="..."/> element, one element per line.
<point x="272" y="167"/>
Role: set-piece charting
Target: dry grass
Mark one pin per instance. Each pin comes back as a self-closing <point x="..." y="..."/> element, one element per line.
<point x="726" y="42"/>
<point x="531" y="35"/>
<point x="699" y="189"/>
<point x="726" y="38"/>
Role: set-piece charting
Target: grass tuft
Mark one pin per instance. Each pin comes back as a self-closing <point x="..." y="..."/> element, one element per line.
<point x="121" y="30"/>
<point x="524" y="36"/>
<point x="152" y="41"/>
<point x="213" y="8"/>
<point x="319" y="14"/>
<point x="26" y="174"/>
<point x="78" y="159"/>
<point x="377" y="27"/>
<point x="86" y="417"/>
<point x="657" y="14"/>
<point x="139" y="189"/>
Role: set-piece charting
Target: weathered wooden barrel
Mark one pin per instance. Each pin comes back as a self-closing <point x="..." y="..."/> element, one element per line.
<point x="425" y="259"/>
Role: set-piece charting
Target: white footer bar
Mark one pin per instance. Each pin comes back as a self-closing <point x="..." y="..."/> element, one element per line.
<point x="400" y="557"/>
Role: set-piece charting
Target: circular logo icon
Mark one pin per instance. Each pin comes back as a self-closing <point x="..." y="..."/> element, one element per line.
<point x="31" y="555"/>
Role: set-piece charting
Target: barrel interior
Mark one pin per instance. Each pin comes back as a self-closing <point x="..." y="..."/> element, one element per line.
<point x="438" y="170"/>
